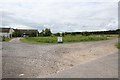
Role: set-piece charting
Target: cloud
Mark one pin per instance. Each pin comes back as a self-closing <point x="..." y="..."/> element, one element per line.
<point x="63" y="15"/>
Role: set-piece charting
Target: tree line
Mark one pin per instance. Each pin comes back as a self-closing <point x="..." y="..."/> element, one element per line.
<point x="47" y="32"/>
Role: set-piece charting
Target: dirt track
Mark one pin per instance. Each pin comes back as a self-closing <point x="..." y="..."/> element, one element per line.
<point x="30" y="61"/>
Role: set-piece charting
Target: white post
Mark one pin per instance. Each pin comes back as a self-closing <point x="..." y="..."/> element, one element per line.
<point x="60" y="40"/>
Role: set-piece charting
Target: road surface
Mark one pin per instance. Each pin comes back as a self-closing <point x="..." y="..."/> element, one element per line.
<point x="22" y="60"/>
<point x="105" y="67"/>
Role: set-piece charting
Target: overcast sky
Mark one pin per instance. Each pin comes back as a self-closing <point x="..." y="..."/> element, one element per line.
<point x="60" y="15"/>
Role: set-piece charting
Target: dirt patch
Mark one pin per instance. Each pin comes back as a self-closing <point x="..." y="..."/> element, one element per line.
<point x="30" y="61"/>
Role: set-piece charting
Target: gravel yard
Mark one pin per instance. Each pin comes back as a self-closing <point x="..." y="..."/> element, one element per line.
<point x="21" y="60"/>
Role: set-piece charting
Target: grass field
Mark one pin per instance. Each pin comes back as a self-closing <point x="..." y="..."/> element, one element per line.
<point x="118" y="45"/>
<point x="6" y="39"/>
<point x="66" y="39"/>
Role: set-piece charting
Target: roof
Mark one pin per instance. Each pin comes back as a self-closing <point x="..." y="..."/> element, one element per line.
<point x="4" y="30"/>
<point x="22" y="30"/>
<point x="27" y="31"/>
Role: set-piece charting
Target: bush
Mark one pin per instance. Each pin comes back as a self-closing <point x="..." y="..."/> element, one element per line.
<point x="57" y="34"/>
<point x="3" y="38"/>
<point x="16" y="34"/>
<point x="118" y="45"/>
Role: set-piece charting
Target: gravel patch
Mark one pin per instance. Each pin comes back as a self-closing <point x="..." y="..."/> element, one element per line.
<point x="21" y="60"/>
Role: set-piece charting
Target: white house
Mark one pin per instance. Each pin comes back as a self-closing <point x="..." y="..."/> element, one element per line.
<point x="6" y="32"/>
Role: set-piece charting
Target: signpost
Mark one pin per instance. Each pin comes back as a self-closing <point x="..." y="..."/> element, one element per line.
<point x="60" y="40"/>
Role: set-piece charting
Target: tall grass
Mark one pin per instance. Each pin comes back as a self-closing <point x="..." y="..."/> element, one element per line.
<point x="66" y="39"/>
<point x="83" y="38"/>
<point x="118" y="45"/>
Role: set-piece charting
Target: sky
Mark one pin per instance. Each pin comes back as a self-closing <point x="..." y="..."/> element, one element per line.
<point x="60" y="15"/>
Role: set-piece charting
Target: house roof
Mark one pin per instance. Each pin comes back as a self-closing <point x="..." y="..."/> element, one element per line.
<point x="4" y="30"/>
<point x="26" y="31"/>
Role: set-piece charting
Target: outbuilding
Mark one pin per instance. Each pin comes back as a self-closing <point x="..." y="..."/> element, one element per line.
<point x="6" y="32"/>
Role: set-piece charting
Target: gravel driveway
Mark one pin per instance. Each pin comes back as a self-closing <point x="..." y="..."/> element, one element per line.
<point x="21" y="60"/>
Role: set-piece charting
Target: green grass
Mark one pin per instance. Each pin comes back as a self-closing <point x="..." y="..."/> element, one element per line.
<point x="7" y="39"/>
<point x="66" y="39"/>
<point x="118" y="45"/>
<point x="40" y="40"/>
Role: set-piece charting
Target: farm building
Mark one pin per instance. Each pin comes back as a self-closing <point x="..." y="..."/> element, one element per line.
<point x="6" y="32"/>
<point x="26" y="32"/>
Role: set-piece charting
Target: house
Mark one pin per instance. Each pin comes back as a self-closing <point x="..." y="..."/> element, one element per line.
<point x="6" y="32"/>
<point x="27" y="32"/>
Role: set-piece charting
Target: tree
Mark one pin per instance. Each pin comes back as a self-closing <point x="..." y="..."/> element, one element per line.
<point x="57" y="34"/>
<point x="73" y="33"/>
<point x="42" y="33"/>
<point x="16" y="33"/>
<point x="63" y="34"/>
<point x="46" y="32"/>
<point x="3" y="38"/>
<point x="85" y="33"/>
<point x="33" y="34"/>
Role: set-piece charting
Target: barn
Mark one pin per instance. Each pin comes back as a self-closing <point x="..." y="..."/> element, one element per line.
<point x="6" y="32"/>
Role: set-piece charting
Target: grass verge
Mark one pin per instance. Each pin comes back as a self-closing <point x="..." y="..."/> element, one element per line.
<point x="7" y="39"/>
<point x="118" y="45"/>
<point x="66" y="39"/>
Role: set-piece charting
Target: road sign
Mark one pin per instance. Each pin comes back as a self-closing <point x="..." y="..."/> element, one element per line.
<point x="60" y="40"/>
